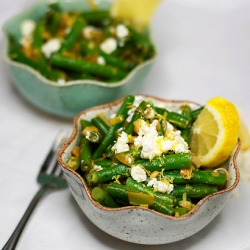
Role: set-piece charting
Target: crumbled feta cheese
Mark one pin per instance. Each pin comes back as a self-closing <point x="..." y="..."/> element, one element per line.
<point x="138" y="173"/>
<point x="96" y="168"/>
<point x="89" y="31"/>
<point x="100" y="60"/>
<point x="109" y="45"/>
<point x="152" y="144"/>
<point x="146" y="139"/>
<point x="161" y="186"/>
<point x="51" y="46"/>
<point x="121" y="144"/>
<point x="27" y="27"/>
<point x="61" y="82"/>
<point x="121" y="31"/>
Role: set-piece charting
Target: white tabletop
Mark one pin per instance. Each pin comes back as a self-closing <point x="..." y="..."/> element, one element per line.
<point x="204" y="51"/>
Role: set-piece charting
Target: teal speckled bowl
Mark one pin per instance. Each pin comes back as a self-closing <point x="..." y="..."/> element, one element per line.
<point x="67" y="100"/>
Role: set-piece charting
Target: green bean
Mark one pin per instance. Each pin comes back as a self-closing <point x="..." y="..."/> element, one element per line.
<point x="37" y="36"/>
<point x="85" y="123"/>
<point x="107" y="140"/>
<point x="105" y="163"/>
<point x="53" y="18"/>
<point x="96" y="16"/>
<point x="94" y="137"/>
<point x="125" y="106"/>
<point x="16" y="54"/>
<point x="179" y="199"/>
<point x="179" y="211"/>
<point x="129" y="129"/>
<point x="140" y="40"/>
<point x="135" y="186"/>
<point x="120" y="191"/>
<point x="89" y="47"/>
<point x="194" y="190"/>
<point x="73" y="35"/>
<point x="196" y="112"/>
<point x="80" y="65"/>
<point x="185" y="133"/>
<point x="103" y="198"/>
<point x="163" y="208"/>
<point x="174" y="118"/>
<point x="115" y="61"/>
<point x="110" y="136"/>
<point x="102" y="126"/>
<point x="167" y="162"/>
<point x="85" y="154"/>
<point x="201" y="176"/>
<point x="107" y="174"/>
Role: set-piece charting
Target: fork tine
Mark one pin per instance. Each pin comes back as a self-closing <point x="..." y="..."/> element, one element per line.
<point x="49" y="173"/>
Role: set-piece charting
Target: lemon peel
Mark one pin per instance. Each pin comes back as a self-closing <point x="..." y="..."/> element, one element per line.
<point x="215" y="132"/>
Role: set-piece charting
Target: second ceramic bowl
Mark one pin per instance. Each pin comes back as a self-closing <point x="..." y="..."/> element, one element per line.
<point x="67" y="100"/>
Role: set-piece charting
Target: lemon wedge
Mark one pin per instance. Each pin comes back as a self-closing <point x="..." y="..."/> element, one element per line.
<point x="137" y="13"/>
<point x="215" y="132"/>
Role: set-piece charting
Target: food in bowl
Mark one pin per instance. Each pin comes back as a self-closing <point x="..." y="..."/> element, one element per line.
<point x="143" y="155"/>
<point x="141" y="223"/>
<point x="65" y="45"/>
<point x="66" y="98"/>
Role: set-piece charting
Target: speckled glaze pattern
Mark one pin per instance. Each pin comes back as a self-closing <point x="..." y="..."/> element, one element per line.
<point x="136" y="224"/>
<point x="70" y="99"/>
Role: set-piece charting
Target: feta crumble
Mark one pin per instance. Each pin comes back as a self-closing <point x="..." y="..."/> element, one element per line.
<point x="51" y="46"/>
<point x="100" y="60"/>
<point x="109" y="45"/>
<point x="61" y="82"/>
<point x="27" y="27"/>
<point x="152" y="144"/>
<point x="90" y="31"/>
<point x="138" y="173"/>
<point x="96" y="168"/>
<point x="121" y="31"/>
<point x="121" y="144"/>
<point x="161" y="186"/>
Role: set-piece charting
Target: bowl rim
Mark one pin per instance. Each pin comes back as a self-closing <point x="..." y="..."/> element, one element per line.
<point x="128" y="208"/>
<point x="68" y="83"/>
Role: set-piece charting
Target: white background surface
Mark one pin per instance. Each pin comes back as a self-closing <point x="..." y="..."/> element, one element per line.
<point x="204" y="51"/>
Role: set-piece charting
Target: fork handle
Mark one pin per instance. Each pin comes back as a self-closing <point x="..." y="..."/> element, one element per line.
<point x="11" y="243"/>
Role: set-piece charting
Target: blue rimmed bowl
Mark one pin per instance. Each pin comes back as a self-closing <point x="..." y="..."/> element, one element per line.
<point x="69" y="99"/>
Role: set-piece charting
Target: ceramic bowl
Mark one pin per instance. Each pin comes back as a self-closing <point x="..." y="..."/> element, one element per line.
<point x="137" y="224"/>
<point x="70" y="99"/>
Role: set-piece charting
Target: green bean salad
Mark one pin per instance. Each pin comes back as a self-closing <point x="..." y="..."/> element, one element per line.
<point x="141" y="156"/>
<point x="65" y="46"/>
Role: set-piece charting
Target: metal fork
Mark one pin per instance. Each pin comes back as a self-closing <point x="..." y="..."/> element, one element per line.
<point x="51" y="178"/>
